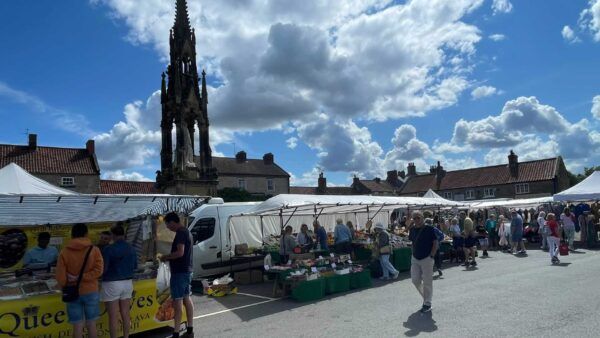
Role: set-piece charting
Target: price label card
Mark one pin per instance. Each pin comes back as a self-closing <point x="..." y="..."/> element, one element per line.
<point x="349" y="261"/>
<point x="267" y="268"/>
<point x="333" y="265"/>
<point x="289" y="262"/>
<point x="331" y="255"/>
<point x="313" y="269"/>
<point x="320" y="257"/>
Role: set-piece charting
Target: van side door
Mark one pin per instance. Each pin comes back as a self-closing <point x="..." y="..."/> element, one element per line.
<point x="206" y="234"/>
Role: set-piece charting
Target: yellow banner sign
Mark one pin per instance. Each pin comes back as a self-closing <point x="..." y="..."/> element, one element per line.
<point x="46" y="315"/>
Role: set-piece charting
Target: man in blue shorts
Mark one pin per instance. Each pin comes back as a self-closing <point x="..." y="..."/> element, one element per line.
<point x="180" y="261"/>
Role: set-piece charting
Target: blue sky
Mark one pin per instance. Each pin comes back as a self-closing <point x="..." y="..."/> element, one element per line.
<point x="348" y="87"/>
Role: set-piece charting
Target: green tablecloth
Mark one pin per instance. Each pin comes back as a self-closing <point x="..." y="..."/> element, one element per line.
<point x="401" y="259"/>
<point x="275" y="257"/>
<point x="309" y="290"/>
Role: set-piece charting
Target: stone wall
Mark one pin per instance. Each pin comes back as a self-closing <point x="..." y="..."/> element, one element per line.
<point x="536" y="189"/>
<point x="85" y="184"/>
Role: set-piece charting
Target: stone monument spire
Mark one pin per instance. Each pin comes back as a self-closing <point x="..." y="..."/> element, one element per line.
<point x="184" y="106"/>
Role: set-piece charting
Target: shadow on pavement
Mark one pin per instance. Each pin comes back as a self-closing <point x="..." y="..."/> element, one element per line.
<point x="562" y="264"/>
<point x="419" y="322"/>
<point x="577" y="252"/>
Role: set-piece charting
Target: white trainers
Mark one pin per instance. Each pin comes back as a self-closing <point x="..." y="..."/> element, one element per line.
<point x="395" y="276"/>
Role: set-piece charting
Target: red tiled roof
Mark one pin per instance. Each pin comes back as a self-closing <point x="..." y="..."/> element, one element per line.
<point x="531" y="171"/>
<point x="127" y="187"/>
<point x="303" y="190"/>
<point x="49" y="160"/>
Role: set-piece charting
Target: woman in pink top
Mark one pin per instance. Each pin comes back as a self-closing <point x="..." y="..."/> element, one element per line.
<point x="553" y="238"/>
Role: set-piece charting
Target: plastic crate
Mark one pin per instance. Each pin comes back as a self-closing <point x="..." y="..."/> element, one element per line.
<point x="401" y="259"/>
<point x="309" y="290"/>
<point x="361" y="279"/>
<point x="337" y="283"/>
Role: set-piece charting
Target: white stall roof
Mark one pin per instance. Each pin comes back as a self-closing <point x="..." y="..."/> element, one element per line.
<point x="513" y="203"/>
<point x="28" y="200"/>
<point x="586" y="190"/>
<point x="286" y="204"/>
<point x="14" y="180"/>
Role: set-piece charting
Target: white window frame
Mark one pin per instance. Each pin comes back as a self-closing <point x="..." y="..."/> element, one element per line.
<point x="242" y="183"/>
<point x="448" y="195"/>
<point x="270" y="184"/>
<point x="489" y="192"/>
<point x="522" y="188"/>
<point x="470" y="194"/>
<point x="67" y="181"/>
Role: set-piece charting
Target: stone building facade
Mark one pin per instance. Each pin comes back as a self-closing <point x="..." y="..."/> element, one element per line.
<point x="75" y="169"/>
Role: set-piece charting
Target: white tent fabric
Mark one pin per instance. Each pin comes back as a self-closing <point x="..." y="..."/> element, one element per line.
<point x="287" y="204"/>
<point x="249" y="230"/>
<point x="432" y="194"/>
<point x="513" y="203"/>
<point x="28" y="200"/>
<point x="14" y="180"/>
<point x="586" y="190"/>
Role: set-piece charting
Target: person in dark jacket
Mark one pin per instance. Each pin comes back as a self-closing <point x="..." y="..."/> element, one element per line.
<point x="120" y="263"/>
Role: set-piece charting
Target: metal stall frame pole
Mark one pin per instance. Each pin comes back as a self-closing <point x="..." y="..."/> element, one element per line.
<point x="262" y="230"/>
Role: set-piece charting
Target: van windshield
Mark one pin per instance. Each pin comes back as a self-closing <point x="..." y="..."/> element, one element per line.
<point x="203" y="229"/>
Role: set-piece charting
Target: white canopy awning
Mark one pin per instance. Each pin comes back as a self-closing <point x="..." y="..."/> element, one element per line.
<point x="28" y="200"/>
<point x="586" y="190"/>
<point x="15" y="180"/>
<point x="513" y="203"/>
<point x="287" y="204"/>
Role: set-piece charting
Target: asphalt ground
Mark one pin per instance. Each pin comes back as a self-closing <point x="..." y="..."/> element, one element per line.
<point x="505" y="296"/>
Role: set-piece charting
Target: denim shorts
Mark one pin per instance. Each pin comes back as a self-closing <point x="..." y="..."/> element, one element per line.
<point x="181" y="285"/>
<point x="86" y="307"/>
<point x="517" y="235"/>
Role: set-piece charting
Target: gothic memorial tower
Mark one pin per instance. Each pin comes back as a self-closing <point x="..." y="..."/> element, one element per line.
<point x="184" y="106"/>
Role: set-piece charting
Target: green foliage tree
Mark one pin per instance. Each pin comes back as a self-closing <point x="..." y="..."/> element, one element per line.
<point x="240" y="195"/>
<point x="575" y="179"/>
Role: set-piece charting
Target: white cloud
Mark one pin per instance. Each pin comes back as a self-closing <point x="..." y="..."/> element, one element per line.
<point x="589" y="19"/>
<point x="569" y="35"/>
<point x="308" y="178"/>
<point x="596" y="107"/>
<point x="292" y="142"/>
<point x="119" y="175"/>
<point x="342" y="57"/>
<point x="61" y="119"/>
<point x="497" y="37"/>
<point x="501" y="6"/>
<point x="483" y="91"/>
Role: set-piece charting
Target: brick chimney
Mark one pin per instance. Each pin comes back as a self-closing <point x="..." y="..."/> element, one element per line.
<point x="411" y="170"/>
<point x="32" y="141"/>
<point x="513" y="164"/>
<point x="439" y="174"/>
<point x="432" y="169"/>
<point x="90" y="145"/>
<point x="240" y="157"/>
<point x="377" y="180"/>
<point x="268" y="158"/>
<point x="402" y="174"/>
<point x="392" y="177"/>
<point x="321" y="184"/>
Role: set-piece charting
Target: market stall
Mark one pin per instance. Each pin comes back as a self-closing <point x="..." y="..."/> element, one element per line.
<point x="318" y="273"/>
<point x="30" y="298"/>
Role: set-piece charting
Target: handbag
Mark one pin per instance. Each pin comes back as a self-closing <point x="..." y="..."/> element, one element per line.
<point x="70" y="293"/>
<point x="563" y="249"/>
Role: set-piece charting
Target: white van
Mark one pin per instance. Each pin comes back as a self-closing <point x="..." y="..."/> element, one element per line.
<point x="213" y="251"/>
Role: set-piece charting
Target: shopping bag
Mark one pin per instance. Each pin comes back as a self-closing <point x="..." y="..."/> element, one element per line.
<point x="163" y="276"/>
<point x="563" y="249"/>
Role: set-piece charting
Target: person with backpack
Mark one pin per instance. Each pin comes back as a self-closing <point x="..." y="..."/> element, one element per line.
<point x="567" y="218"/>
<point x="78" y="269"/>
